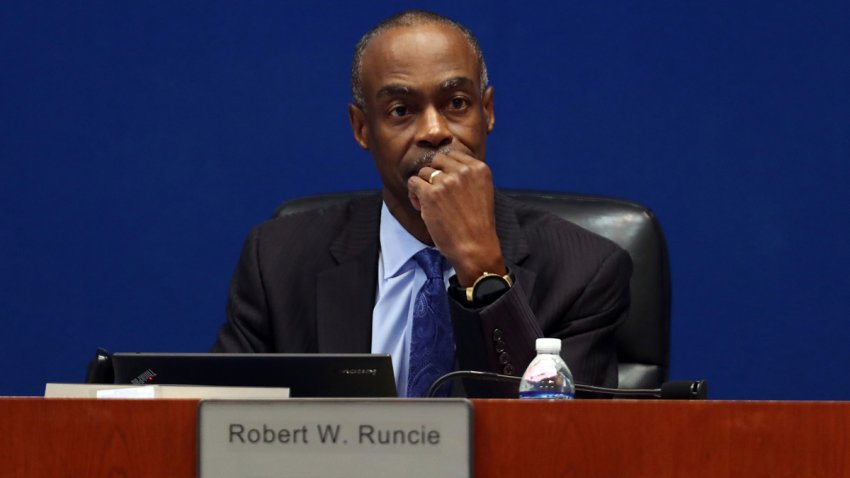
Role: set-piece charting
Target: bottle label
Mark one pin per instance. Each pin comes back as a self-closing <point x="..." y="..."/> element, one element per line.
<point x="540" y="370"/>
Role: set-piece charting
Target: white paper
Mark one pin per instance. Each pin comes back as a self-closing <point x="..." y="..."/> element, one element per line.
<point x="146" y="391"/>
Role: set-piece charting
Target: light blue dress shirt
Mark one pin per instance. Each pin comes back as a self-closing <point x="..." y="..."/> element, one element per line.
<point x="399" y="280"/>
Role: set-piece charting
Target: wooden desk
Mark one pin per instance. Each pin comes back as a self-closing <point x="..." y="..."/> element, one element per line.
<point x="655" y="439"/>
<point x="117" y="438"/>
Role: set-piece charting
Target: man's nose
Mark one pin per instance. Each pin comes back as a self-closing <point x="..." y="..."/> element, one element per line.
<point x="432" y="130"/>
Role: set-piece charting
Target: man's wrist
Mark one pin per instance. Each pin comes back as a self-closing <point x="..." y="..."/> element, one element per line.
<point x="467" y="274"/>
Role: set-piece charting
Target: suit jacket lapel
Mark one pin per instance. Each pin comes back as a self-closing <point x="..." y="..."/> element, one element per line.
<point x="346" y="292"/>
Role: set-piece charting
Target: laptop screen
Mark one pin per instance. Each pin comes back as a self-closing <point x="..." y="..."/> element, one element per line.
<point x="306" y="375"/>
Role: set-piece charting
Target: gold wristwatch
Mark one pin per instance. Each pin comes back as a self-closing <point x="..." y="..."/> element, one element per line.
<point x="484" y="291"/>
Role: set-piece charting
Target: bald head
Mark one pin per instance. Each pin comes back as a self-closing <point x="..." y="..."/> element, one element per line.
<point x="408" y="19"/>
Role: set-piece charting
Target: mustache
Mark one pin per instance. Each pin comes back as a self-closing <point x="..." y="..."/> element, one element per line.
<point x="426" y="158"/>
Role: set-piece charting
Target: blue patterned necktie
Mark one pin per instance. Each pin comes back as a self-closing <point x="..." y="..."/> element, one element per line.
<point x="432" y="347"/>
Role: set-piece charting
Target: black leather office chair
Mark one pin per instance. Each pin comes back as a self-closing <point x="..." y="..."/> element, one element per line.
<point x="643" y="341"/>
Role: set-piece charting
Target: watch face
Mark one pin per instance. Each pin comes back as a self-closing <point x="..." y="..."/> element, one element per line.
<point x="489" y="289"/>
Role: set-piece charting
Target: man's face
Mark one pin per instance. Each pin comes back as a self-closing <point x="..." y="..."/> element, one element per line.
<point x="422" y="95"/>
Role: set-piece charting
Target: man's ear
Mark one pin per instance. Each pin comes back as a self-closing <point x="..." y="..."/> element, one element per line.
<point x="357" y="118"/>
<point x="489" y="112"/>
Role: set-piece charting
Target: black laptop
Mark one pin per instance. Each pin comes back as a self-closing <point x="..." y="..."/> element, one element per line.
<point x="306" y="375"/>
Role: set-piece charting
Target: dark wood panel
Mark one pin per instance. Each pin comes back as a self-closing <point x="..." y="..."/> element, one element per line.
<point x="662" y="439"/>
<point x="652" y="439"/>
<point x="87" y="438"/>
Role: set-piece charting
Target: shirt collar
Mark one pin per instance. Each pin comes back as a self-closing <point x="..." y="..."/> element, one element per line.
<point x="397" y="245"/>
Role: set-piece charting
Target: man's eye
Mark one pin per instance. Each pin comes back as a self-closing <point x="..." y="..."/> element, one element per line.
<point x="399" y="111"/>
<point x="459" y="103"/>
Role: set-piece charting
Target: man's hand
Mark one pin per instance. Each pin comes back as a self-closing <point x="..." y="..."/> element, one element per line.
<point x="457" y="208"/>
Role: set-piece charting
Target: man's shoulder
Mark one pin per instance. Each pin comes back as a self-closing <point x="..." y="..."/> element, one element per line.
<point x="540" y="226"/>
<point x="307" y="224"/>
<point x="562" y="252"/>
<point x="314" y="213"/>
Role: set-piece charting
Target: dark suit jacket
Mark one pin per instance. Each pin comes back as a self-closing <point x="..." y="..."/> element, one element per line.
<point x="307" y="283"/>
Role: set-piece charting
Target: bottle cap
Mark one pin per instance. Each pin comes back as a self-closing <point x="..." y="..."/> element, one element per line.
<point x="548" y="346"/>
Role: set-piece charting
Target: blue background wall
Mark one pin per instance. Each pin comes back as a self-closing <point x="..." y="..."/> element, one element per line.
<point x="140" y="141"/>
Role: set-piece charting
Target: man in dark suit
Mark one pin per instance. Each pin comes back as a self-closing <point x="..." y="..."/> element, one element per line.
<point x="328" y="281"/>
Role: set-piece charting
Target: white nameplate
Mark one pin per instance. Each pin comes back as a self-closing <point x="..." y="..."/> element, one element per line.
<point x="335" y="438"/>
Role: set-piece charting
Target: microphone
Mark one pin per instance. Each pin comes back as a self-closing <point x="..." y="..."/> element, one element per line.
<point x="673" y="390"/>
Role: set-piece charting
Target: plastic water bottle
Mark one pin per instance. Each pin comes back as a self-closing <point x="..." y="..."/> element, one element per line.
<point x="547" y="376"/>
